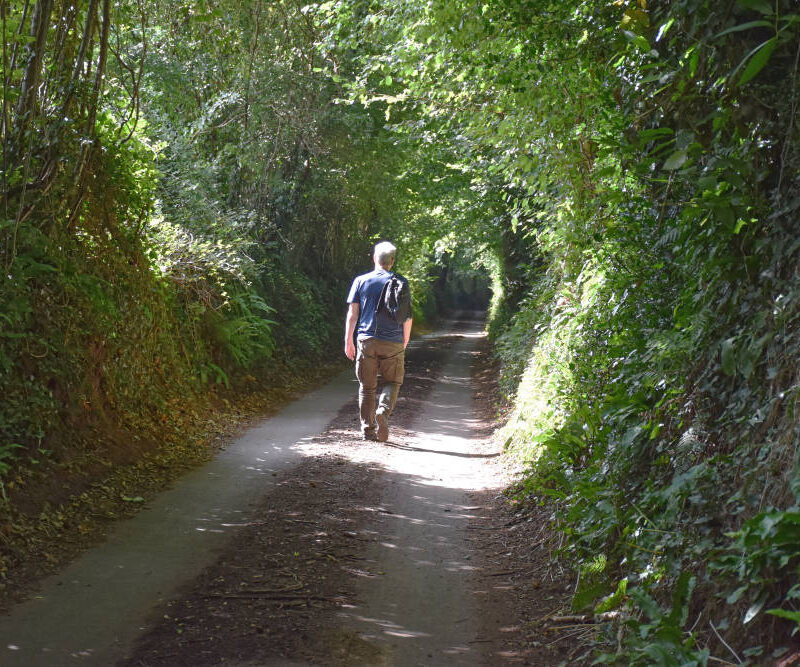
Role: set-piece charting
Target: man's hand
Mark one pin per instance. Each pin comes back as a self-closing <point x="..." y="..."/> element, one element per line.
<point x="349" y="330"/>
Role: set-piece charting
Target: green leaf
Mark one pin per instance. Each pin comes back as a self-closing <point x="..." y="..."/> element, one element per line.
<point x="694" y="61"/>
<point x="646" y="136"/>
<point x="733" y="598"/>
<point x="664" y="29"/>
<point x="641" y="43"/>
<point x="680" y="599"/>
<point x="648" y="605"/>
<point x="676" y="160"/>
<point x="615" y="600"/>
<point x="760" y="57"/>
<point x="761" y="6"/>
<point x="753" y="611"/>
<point x="783" y="613"/>
<point x="684" y="139"/>
<point x="761" y="23"/>
<point x="728" y="355"/>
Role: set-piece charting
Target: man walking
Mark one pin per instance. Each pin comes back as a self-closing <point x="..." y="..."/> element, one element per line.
<point x="382" y="341"/>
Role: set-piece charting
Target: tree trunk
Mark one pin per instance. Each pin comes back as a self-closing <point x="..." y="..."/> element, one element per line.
<point x="33" y="69"/>
<point x="80" y="57"/>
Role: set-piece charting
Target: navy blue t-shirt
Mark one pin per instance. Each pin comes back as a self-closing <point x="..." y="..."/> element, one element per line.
<point x="366" y="292"/>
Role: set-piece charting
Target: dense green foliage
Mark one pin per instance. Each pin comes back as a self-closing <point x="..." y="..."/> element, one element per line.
<point x="626" y="172"/>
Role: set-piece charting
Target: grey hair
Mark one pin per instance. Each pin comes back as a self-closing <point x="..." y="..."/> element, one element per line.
<point x="385" y="253"/>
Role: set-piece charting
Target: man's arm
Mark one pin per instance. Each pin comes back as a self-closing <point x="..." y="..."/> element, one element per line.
<point x="406" y="332"/>
<point x="349" y="329"/>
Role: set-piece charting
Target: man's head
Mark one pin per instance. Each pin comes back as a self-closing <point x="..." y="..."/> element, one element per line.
<point x="384" y="255"/>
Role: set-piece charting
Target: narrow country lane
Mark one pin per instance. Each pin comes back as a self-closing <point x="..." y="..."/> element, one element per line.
<point x="174" y="585"/>
<point x="421" y="610"/>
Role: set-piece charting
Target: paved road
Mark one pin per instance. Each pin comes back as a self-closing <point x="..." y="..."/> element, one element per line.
<point x="419" y="611"/>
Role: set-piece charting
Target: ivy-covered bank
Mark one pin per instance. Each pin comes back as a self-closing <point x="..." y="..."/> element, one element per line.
<point x="659" y="392"/>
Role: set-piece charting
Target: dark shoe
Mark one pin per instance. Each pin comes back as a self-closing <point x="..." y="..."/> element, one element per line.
<point x="383" y="427"/>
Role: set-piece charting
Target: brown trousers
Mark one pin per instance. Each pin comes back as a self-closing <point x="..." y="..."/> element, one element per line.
<point x="384" y="357"/>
